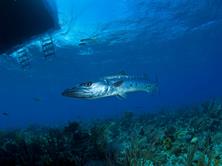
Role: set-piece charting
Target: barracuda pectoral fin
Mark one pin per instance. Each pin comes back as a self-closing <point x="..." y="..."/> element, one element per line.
<point x="118" y="83"/>
<point x="122" y="96"/>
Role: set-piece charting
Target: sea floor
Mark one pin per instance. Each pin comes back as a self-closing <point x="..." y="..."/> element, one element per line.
<point x="187" y="136"/>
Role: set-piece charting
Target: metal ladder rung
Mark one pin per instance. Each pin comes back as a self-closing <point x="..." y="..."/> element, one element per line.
<point x="23" y="57"/>
<point x="48" y="46"/>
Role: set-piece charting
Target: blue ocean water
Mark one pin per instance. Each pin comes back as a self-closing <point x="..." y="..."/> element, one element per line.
<point x="179" y="42"/>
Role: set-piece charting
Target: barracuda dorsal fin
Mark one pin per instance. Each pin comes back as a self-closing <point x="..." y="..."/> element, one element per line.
<point x="120" y="75"/>
<point x="121" y="96"/>
<point x="118" y="83"/>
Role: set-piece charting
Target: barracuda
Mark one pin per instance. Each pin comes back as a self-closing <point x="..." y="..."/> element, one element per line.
<point x="117" y="85"/>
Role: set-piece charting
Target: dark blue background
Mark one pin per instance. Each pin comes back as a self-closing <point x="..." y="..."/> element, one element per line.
<point x="188" y="68"/>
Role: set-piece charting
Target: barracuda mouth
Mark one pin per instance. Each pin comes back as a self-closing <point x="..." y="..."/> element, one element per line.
<point x="77" y="93"/>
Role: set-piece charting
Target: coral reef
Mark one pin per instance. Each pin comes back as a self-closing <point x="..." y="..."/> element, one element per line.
<point x="189" y="136"/>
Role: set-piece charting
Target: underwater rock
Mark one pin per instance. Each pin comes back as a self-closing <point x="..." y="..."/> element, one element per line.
<point x="170" y="131"/>
<point x="184" y="135"/>
<point x="167" y="143"/>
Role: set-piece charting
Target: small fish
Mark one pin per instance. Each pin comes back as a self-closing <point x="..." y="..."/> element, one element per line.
<point x="117" y="85"/>
<point x="37" y="99"/>
<point x="5" y="114"/>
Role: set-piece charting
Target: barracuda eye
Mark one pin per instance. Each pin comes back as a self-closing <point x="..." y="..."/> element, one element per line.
<point x="87" y="84"/>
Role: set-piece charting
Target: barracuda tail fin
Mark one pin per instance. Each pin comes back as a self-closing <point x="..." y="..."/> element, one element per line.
<point x="153" y="88"/>
<point x="157" y="88"/>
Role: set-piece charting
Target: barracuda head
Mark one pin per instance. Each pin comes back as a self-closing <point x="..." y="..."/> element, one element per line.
<point x="86" y="90"/>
